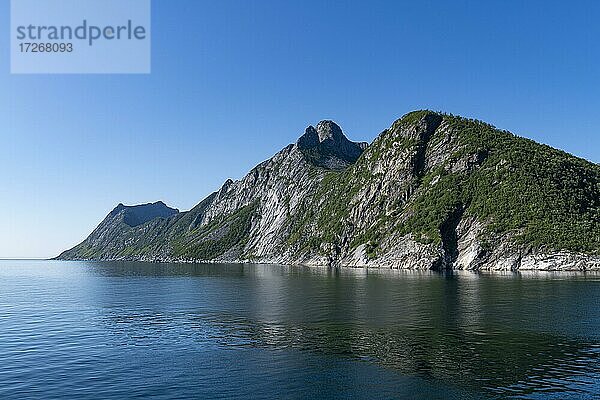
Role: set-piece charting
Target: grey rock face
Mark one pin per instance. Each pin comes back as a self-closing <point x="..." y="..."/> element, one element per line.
<point x="326" y="200"/>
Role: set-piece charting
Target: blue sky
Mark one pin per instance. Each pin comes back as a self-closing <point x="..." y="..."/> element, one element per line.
<point x="234" y="81"/>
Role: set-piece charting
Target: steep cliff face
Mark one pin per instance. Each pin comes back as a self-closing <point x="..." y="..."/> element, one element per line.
<point x="431" y="192"/>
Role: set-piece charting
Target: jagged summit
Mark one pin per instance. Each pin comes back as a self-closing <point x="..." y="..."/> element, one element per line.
<point x="325" y="130"/>
<point x="329" y="130"/>
<point x="326" y="146"/>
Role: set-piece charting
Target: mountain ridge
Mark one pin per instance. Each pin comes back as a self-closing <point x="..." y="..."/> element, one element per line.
<point x="140" y="214"/>
<point x="433" y="191"/>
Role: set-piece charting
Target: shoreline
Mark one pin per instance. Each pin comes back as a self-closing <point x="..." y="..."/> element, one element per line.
<point x="341" y="267"/>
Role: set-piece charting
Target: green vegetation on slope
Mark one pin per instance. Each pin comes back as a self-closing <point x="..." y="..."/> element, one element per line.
<point x="217" y="237"/>
<point x="549" y="195"/>
<point x="546" y="198"/>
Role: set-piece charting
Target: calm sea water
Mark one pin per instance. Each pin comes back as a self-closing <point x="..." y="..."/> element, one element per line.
<point x="79" y="330"/>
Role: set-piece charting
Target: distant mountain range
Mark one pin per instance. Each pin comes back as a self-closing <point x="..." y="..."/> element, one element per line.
<point x="434" y="191"/>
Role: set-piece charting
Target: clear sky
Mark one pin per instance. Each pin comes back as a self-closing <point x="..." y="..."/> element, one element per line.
<point x="234" y="81"/>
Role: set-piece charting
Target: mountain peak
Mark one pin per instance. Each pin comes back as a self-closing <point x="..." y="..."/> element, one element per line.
<point x="329" y="130"/>
<point x="325" y="131"/>
<point x="326" y="146"/>
<point x="142" y="213"/>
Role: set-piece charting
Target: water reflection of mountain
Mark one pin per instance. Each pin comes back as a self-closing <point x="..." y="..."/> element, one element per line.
<point x="508" y="335"/>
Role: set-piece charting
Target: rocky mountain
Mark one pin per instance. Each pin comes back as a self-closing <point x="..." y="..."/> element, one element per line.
<point x="434" y="191"/>
<point x="138" y="215"/>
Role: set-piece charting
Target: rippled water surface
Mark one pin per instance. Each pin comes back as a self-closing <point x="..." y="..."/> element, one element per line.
<point x="79" y="330"/>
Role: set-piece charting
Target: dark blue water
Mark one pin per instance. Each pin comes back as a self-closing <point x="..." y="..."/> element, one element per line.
<point x="77" y="330"/>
